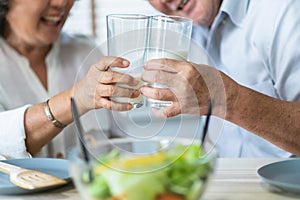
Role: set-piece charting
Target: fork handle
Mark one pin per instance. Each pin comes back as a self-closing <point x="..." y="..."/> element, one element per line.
<point x="7" y="168"/>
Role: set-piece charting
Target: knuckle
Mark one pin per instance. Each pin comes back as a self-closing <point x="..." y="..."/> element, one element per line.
<point x="166" y="113"/>
<point x="190" y="70"/>
<point x="98" y="66"/>
<point x="95" y="66"/>
<point x="164" y="61"/>
<point x="110" y="90"/>
<point x="109" y="77"/>
<point x="105" y="91"/>
<point x="129" y="92"/>
<point x="156" y="94"/>
<point x="107" y="105"/>
<point x="157" y="77"/>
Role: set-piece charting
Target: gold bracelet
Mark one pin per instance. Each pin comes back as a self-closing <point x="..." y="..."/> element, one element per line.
<point x="49" y="115"/>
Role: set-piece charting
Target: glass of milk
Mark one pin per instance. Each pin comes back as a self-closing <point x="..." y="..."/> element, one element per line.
<point x="127" y="37"/>
<point x="169" y="37"/>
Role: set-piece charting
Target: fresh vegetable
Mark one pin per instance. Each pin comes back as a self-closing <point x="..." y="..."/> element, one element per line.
<point x="177" y="173"/>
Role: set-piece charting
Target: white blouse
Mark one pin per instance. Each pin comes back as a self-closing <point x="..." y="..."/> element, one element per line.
<point x="67" y="62"/>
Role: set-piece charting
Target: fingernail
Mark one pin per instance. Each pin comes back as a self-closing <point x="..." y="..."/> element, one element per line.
<point x="125" y="62"/>
<point x="146" y="64"/>
<point x="129" y="107"/>
<point x="136" y="93"/>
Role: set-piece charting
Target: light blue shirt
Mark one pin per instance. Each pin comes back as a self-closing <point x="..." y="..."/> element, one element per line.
<point x="256" y="42"/>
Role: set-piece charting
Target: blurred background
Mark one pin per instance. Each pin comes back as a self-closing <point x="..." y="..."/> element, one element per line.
<point x="88" y="16"/>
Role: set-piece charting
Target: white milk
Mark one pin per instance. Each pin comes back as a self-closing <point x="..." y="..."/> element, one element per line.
<point x="176" y="55"/>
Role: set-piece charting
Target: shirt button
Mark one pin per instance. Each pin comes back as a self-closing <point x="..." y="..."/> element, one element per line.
<point x="59" y="155"/>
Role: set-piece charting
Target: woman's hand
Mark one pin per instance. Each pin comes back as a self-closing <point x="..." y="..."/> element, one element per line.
<point x="191" y="86"/>
<point x="99" y="84"/>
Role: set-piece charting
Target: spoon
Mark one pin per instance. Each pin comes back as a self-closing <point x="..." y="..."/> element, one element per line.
<point x="81" y="138"/>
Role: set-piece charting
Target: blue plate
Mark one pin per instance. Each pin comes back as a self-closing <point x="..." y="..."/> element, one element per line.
<point x="283" y="176"/>
<point x="55" y="167"/>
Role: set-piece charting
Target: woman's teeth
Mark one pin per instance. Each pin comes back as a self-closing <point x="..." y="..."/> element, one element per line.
<point x="51" y="20"/>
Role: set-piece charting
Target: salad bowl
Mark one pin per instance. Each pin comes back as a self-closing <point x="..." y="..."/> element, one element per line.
<point x="162" y="168"/>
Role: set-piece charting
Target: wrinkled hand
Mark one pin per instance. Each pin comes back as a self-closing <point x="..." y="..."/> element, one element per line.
<point x="191" y="86"/>
<point x="99" y="84"/>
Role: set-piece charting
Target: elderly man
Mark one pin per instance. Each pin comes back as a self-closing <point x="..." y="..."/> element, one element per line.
<point x="256" y="44"/>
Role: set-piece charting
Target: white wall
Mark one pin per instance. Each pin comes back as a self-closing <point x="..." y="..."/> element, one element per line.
<point x="80" y="21"/>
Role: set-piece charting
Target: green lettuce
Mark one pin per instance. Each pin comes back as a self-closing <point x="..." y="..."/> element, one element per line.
<point x="181" y="172"/>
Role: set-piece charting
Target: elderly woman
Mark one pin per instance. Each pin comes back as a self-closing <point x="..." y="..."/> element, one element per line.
<point x="40" y="67"/>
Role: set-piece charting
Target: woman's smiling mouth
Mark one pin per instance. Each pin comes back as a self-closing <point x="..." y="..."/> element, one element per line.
<point x="52" y="20"/>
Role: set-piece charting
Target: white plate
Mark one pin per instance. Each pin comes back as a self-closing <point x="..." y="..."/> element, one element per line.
<point x="283" y="175"/>
<point x="56" y="167"/>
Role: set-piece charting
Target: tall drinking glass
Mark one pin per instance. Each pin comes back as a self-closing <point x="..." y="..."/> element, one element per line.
<point x="127" y="36"/>
<point x="169" y="37"/>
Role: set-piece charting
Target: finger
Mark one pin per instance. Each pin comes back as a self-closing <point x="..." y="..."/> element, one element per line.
<point x="112" y="77"/>
<point x="116" y="91"/>
<point x="158" y="94"/>
<point x="167" y="112"/>
<point x="162" y="77"/>
<point x="164" y="64"/>
<point x="111" y="61"/>
<point x="111" y="105"/>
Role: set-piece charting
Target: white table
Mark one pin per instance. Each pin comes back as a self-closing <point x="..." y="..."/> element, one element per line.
<point x="237" y="179"/>
<point x="234" y="178"/>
